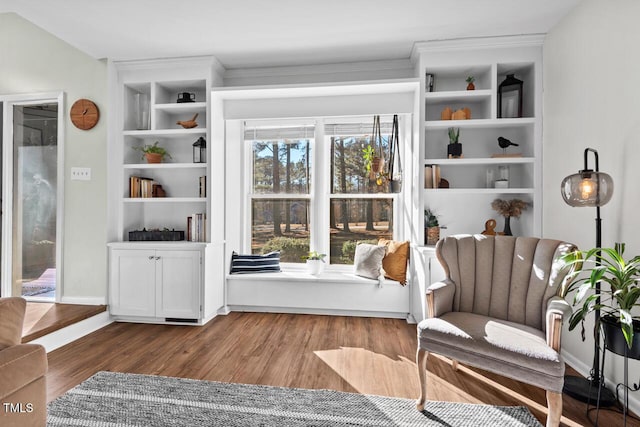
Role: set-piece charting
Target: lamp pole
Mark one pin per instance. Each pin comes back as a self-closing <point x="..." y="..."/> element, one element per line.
<point x="590" y="389"/>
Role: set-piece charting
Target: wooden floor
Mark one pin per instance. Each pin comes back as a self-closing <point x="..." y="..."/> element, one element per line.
<point x="42" y="318"/>
<point x="359" y="355"/>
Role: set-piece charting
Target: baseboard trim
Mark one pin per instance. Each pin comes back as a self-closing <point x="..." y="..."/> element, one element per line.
<point x="66" y="335"/>
<point x="320" y="311"/>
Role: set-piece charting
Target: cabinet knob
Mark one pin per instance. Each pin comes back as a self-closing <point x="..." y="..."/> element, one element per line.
<point x="151" y="257"/>
<point x="157" y="258"/>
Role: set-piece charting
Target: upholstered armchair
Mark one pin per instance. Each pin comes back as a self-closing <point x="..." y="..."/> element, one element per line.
<point x="498" y="309"/>
<point x="23" y="391"/>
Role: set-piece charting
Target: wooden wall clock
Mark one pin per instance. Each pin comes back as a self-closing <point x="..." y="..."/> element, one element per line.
<point x="84" y="114"/>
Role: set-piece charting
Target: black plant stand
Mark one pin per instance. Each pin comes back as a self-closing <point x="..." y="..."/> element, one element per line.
<point x="624" y="352"/>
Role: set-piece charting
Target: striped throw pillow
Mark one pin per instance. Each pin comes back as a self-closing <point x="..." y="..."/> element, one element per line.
<point x="267" y="263"/>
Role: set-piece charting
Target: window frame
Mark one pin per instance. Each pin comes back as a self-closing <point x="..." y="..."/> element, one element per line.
<point x="320" y="195"/>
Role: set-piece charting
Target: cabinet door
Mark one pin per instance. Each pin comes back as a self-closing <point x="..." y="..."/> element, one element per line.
<point x="179" y="277"/>
<point x="132" y="282"/>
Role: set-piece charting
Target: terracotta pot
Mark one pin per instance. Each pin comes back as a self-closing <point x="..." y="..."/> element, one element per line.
<point x="153" y="157"/>
<point x="471" y="86"/>
<point x="377" y="166"/>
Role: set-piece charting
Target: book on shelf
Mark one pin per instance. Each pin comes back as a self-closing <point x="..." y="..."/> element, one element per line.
<point x="203" y="187"/>
<point x="196" y="227"/>
<point x="141" y="187"/>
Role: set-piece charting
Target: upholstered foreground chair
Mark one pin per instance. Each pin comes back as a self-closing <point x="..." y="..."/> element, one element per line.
<point x="23" y="390"/>
<point x="498" y="310"/>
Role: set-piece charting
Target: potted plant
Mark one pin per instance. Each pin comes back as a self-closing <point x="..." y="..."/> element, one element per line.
<point x="508" y="209"/>
<point x="454" y="149"/>
<point x="153" y="153"/>
<point x="470" y="85"/>
<point x="315" y="262"/>
<point x="619" y="293"/>
<point x="432" y="227"/>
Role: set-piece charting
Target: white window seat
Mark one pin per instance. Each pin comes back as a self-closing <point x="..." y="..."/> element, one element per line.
<point x="332" y="292"/>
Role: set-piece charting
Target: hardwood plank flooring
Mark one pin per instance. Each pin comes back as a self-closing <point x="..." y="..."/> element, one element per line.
<point x="42" y="318"/>
<point x="352" y="354"/>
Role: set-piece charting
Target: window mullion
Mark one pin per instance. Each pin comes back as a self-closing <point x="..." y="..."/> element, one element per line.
<point x="320" y="192"/>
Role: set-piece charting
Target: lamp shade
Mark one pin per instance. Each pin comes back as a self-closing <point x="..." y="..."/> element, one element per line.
<point x="587" y="189"/>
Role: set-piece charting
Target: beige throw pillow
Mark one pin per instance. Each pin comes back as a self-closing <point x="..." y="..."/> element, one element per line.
<point x="368" y="260"/>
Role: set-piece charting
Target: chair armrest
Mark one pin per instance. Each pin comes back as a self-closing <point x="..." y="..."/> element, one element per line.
<point x="440" y="298"/>
<point x="557" y="310"/>
<point x="12" y="311"/>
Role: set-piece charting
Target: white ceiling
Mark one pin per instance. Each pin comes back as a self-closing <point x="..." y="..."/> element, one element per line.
<point x="260" y="33"/>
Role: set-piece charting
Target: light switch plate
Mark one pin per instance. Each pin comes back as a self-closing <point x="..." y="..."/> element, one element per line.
<point x="81" y="174"/>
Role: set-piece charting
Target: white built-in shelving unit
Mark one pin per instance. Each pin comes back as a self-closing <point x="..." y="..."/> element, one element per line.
<point x="162" y="281"/>
<point x="465" y="206"/>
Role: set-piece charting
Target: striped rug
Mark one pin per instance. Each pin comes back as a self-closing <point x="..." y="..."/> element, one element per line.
<point x="110" y="399"/>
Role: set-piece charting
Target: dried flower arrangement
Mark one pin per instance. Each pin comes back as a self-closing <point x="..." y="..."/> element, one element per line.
<point x="509" y="208"/>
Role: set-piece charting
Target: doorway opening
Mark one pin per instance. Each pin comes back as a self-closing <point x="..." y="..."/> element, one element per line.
<point x="31" y="178"/>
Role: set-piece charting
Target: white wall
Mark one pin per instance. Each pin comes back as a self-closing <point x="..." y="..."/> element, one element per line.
<point x="31" y="61"/>
<point x="591" y="99"/>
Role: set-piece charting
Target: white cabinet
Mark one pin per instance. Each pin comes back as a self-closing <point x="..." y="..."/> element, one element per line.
<point x="154" y="284"/>
<point x="465" y="205"/>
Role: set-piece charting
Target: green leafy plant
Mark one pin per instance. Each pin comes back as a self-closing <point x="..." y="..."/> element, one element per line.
<point x="608" y="266"/>
<point x="454" y="134"/>
<point x="368" y="153"/>
<point x="153" y="149"/>
<point x="470" y="79"/>
<point x="430" y="219"/>
<point x="314" y="255"/>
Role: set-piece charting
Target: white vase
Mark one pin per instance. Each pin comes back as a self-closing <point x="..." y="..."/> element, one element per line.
<point x="315" y="266"/>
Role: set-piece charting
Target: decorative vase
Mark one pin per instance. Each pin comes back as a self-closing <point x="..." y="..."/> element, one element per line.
<point x="153" y="157"/>
<point x="471" y="86"/>
<point x="315" y="266"/>
<point x="507" y="226"/>
<point x="142" y="106"/>
<point x="614" y="339"/>
<point x="454" y="150"/>
<point x="432" y="235"/>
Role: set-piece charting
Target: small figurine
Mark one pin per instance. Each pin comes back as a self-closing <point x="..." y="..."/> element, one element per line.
<point x="188" y="124"/>
<point x="504" y="143"/>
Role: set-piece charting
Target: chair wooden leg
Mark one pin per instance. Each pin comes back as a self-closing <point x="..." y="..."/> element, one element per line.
<point x="421" y="362"/>
<point x="554" y="407"/>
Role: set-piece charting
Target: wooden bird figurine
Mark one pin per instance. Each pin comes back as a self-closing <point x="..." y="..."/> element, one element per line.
<point x="188" y="124"/>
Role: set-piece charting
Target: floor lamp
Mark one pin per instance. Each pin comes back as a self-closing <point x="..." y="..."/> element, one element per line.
<point x="589" y="188"/>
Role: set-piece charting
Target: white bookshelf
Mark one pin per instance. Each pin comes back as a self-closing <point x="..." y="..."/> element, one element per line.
<point x="162" y="281"/>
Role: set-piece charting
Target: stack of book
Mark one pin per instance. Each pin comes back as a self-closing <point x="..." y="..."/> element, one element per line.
<point x="196" y="227"/>
<point x="144" y="187"/>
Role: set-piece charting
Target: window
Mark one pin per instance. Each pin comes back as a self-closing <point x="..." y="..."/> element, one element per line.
<point x="355" y="214"/>
<point x="280" y="190"/>
<point x="310" y="188"/>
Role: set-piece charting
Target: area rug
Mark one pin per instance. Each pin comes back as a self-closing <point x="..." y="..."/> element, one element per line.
<point x="110" y="399"/>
